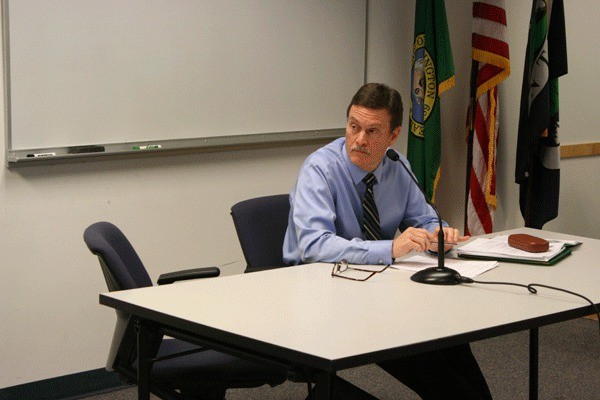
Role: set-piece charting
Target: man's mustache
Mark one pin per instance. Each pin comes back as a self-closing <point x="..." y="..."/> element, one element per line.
<point x="360" y="148"/>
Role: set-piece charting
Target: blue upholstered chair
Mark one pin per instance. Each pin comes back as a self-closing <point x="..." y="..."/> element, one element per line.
<point x="194" y="372"/>
<point x="260" y="224"/>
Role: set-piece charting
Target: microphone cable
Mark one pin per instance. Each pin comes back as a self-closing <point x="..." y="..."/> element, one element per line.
<point x="531" y="288"/>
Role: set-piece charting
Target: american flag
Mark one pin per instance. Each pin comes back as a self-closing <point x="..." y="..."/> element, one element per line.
<point x="490" y="66"/>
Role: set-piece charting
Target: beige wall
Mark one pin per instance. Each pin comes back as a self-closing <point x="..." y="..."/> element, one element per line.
<point x="175" y="209"/>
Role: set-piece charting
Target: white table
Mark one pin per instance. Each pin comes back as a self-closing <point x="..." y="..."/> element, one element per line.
<point x="302" y="317"/>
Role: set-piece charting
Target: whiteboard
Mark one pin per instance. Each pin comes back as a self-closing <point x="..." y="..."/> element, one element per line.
<point x="95" y="72"/>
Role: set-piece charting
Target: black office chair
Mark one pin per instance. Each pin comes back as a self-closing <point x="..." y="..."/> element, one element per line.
<point x="194" y="372"/>
<point x="260" y="224"/>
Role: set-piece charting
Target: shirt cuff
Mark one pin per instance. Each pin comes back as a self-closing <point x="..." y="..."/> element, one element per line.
<point x="380" y="252"/>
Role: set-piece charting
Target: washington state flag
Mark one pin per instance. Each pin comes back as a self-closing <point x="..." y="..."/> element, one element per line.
<point x="432" y="74"/>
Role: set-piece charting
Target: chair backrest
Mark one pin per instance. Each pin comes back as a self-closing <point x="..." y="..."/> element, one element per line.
<point x="122" y="269"/>
<point x="260" y="224"/>
<point x="120" y="263"/>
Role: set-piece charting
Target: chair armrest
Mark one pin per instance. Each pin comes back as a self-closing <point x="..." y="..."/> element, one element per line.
<point x="184" y="275"/>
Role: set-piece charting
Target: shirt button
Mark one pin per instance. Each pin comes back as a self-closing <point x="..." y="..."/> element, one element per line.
<point x="380" y="261"/>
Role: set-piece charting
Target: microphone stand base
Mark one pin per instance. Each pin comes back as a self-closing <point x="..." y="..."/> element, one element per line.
<point x="437" y="276"/>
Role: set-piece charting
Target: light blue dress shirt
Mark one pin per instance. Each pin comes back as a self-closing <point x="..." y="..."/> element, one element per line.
<point x="325" y="222"/>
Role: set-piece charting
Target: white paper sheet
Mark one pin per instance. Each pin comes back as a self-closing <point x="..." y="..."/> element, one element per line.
<point x="469" y="269"/>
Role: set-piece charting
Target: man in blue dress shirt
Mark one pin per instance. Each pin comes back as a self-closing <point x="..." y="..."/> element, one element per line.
<point x="326" y="225"/>
<point x="326" y="214"/>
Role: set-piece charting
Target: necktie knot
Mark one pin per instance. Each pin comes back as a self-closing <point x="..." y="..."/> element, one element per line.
<point x="370" y="180"/>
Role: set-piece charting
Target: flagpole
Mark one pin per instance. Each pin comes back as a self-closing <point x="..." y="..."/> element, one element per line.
<point x="528" y="62"/>
<point x="473" y="99"/>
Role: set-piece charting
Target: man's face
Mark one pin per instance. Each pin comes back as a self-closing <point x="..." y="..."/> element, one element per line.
<point x="368" y="135"/>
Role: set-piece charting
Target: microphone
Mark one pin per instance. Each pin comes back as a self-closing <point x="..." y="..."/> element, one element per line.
<point x="440" y="275"/>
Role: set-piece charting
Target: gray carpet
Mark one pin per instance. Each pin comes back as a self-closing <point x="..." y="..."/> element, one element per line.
<point x="569" y="369"/>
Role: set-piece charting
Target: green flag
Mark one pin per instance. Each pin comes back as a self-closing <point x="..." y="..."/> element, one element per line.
<point x="538" y="149"/>
<point x="432" y="74"/>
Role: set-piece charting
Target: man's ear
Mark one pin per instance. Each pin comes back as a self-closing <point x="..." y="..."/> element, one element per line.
<point x="395" y="134"/>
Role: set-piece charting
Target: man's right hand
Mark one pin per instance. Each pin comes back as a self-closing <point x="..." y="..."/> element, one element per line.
<point x="416" y="239"/>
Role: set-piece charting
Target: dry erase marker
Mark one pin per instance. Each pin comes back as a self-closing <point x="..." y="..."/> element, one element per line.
<point x="41" y="155"/>
<point x="147" y="147"/>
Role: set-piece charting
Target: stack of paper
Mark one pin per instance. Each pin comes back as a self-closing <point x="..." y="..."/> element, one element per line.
<point x="497" y="248"/>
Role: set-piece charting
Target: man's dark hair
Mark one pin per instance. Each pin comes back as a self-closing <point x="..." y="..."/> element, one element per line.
<point x="378" y="96"/>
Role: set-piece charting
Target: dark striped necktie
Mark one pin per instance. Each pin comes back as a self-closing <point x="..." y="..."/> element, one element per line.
<point x="371" y="225"/>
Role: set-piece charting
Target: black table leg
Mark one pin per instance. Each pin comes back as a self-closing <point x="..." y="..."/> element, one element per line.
<point x="324" y="386"/>
<point x="143" y="349"/>
<point x="533" y="363"/>
<point x="330" y="386"/>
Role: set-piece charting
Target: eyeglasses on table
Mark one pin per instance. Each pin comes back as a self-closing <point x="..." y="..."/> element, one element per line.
<point x="340" y="267"/>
